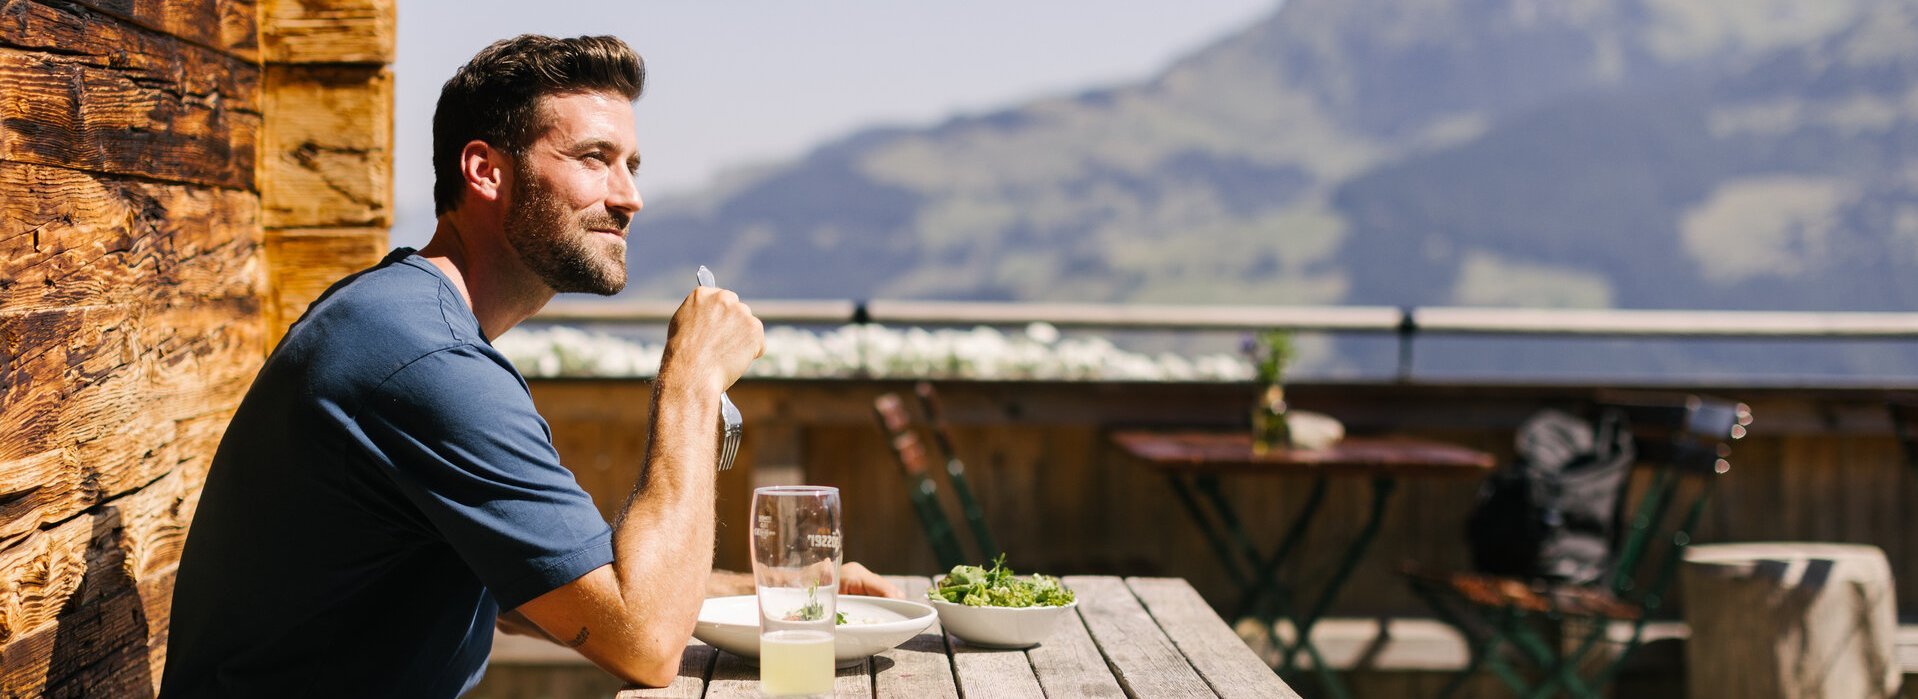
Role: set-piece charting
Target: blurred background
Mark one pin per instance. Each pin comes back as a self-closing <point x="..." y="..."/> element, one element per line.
<point x="1643" y="154"/>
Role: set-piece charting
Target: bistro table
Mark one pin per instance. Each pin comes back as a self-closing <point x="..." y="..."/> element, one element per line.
<point x="1143" y="637"/>
<point x="1193" y="462"/>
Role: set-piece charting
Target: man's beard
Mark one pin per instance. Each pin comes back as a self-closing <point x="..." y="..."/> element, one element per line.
<point x="565" y="254"/>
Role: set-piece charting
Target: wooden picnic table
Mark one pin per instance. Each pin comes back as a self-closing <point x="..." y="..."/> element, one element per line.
<point x="1145" y="637"/>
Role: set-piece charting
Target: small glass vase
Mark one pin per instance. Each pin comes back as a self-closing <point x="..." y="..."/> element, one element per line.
<point x="1269" y="428"/>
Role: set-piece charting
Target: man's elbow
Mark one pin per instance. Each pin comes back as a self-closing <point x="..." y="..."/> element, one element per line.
<point x="652" y="667"/>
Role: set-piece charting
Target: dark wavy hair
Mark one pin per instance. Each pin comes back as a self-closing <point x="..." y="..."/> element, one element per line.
<point x="495" y="97"/>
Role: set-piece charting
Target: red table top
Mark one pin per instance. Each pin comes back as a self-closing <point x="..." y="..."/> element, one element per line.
<point x="1192" y="451"/>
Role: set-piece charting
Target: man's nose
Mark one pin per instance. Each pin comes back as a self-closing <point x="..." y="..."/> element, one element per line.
<point x="623" y="194"/>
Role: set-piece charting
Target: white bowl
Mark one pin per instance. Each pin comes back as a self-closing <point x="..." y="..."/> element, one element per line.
<point x="1001" y="627"/>
<point x="731" y="624"/>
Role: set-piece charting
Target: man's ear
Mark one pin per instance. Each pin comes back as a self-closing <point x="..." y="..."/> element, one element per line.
<point x="484" y="169"/>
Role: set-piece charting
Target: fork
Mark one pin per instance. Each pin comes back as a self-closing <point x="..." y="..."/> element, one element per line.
<point x="730" y="422"/>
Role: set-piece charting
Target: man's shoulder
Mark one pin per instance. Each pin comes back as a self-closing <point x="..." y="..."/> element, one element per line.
<point x="400" y="305"/>
<point x="386" y="319"/>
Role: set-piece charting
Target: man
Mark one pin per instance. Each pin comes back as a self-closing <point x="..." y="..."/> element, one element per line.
<point x="386" y="487"/>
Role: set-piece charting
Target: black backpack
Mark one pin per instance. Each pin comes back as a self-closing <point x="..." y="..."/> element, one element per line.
<point x="1553" y="513"/>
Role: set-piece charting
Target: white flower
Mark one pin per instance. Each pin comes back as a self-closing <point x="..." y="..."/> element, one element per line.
<point x="981" y="353"/>
<point x="1042" y="332"/>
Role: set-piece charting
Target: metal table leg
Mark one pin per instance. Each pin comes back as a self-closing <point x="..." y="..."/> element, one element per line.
<point x="1262" y="582"/>
<point x="1212" y="536"/>
<point x="1254" y="593"/>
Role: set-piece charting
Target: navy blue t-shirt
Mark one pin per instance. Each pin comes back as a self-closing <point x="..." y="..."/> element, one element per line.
<point x="385" y="488"/>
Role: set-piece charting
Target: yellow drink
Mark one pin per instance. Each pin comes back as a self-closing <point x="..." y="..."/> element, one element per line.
<point x="795" y="663"/>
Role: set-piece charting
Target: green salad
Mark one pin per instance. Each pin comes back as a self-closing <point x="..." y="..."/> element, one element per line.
<point x="974" y="586"/>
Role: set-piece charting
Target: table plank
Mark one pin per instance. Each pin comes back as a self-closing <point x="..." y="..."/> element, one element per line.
<point x="694" y="666"/>
<point x="1219" y="655"/>
<point x="919" y="668"/>
<point x="733" y="677"/>
<point x="855" y="681"/>
<point x="990" y="672"/>
<point x="1069" y="664"/>
<point x="1191" y="451"/>
<point x="1145" y="661"/>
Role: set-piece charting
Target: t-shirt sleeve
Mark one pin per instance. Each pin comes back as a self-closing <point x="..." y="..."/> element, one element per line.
<point x="464" y="444"/>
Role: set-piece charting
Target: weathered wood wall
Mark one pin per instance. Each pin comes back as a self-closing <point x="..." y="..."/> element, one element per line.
<point x="133" y="304"/>
<point x="1820" y="465"/>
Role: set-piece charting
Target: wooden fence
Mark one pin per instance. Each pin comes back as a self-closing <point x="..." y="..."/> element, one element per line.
<point x="1820" y="464"/>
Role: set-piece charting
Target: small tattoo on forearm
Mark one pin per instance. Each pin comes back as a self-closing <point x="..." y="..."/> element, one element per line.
<point x="579" y="639"/>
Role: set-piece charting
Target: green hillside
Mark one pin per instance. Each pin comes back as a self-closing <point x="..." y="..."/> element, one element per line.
<point x="1642" y="153"/>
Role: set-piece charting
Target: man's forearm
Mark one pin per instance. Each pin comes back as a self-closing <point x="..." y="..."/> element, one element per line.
<point x="663" y="538"/>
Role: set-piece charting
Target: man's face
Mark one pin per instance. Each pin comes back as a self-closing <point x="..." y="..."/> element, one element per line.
<point x="573" y="194"/>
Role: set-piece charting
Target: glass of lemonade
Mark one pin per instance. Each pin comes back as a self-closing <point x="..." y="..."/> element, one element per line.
<point x="796" y="556"/>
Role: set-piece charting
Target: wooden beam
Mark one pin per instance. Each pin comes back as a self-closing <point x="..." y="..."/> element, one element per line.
<point x="327" y="173"/>
<point x="230" y="26"/>
<point x="305" y="262"/>
<point x="86" y="240"/>
<point x="328" y="31"/>
<point x="91" y="92"/>
<point x="328" y="147"/>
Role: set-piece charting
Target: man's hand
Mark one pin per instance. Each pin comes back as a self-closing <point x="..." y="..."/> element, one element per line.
<point x="854" y="579"/>
<point x="711" y="339"/>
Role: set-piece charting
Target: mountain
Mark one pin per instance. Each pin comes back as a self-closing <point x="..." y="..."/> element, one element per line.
<point x="1629" y="153"/>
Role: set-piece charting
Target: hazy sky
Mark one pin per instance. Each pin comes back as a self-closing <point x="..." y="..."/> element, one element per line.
<point x="739" y="82"/>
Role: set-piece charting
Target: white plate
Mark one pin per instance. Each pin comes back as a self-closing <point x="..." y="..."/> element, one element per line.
<point x="731" y="624"/>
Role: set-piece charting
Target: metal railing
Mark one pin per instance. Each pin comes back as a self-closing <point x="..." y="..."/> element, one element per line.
<point x="1407" y="322"/>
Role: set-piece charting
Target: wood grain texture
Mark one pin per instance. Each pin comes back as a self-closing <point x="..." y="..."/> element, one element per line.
<point x="328" y="146"/>
<point x="991" y="672"/>
<point x="920" y="667"/>
<point x="1146" y="662"/>
<point x="231" y="26"/>
<point x="734" y="677"/>
<point x="88" y="600"/>
<point x="1069" y="663"/>
<point x="92" y="92"/>
<point x="1220" y="657"/>
<point x="854" y="681"/>
<point x="71" y="239"/>
<point x="328" y="31"/>
<point x="304" y="263"/>
<point x="127" y="334"/>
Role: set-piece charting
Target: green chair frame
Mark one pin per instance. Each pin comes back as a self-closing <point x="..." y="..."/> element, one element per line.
<point x="1903" y="410"/>
<point x="1512" y="623"/>
<point x="909" y="452"/>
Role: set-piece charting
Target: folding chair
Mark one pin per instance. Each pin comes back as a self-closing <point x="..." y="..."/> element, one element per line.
<point x="910" y="454"/>
<point x="1904" y="424"/>
<point x="1556" y="629"/>
<point x="956" y="471"/>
